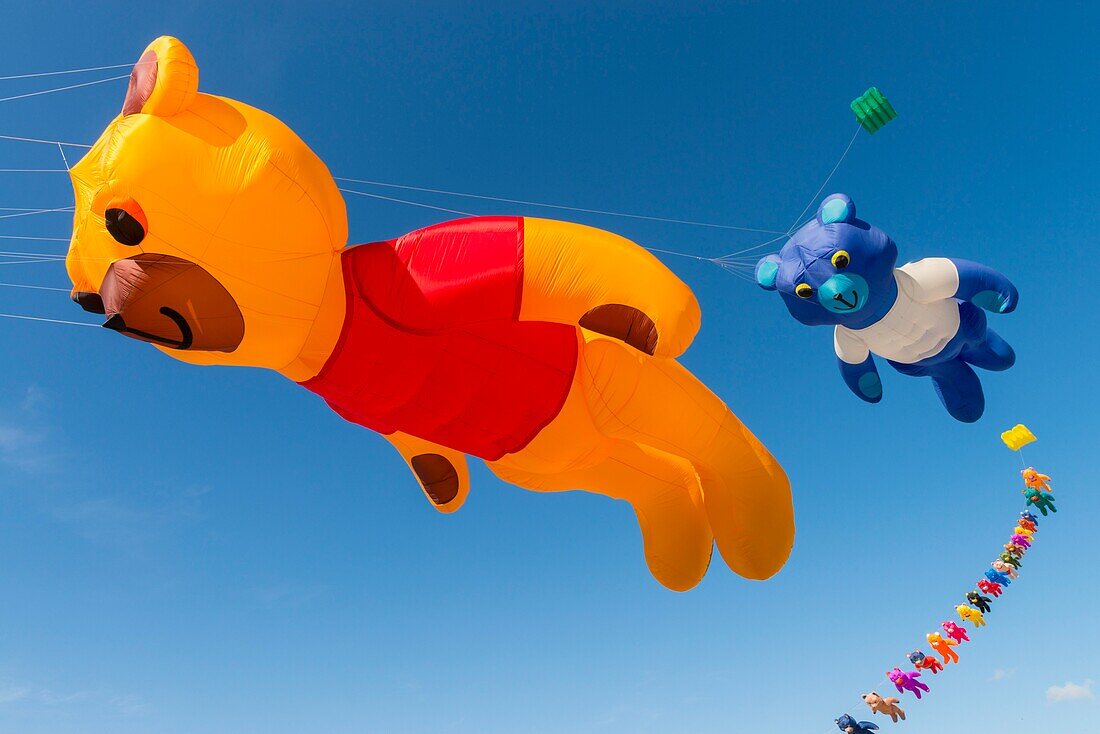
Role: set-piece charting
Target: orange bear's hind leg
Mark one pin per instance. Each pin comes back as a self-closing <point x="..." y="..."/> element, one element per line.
<point x="664" y="491"/>
<point x="657" y="402"/>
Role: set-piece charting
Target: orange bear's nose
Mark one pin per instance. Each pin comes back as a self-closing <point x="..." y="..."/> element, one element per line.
<point x="89" y="301"/>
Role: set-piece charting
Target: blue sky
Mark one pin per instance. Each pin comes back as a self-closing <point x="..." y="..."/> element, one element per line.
<point x="210" y="550"/>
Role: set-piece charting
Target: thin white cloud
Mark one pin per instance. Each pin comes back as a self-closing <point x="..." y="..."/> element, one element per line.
<point x="130" y="705"/>
<point x="28" y="445"/>
<point x="22" y="449"/>
<point x="10" y="693"/>
<point x="54" y="698"/>
<point x="1003" y="673"/>
<point x="33" y="399"/>
<point x="38" y="697"/>
<point x="197" y="490"/>
<point x="129" y="519"/>
<point x="1070" y="692"/>
<point x="286" y="594"/>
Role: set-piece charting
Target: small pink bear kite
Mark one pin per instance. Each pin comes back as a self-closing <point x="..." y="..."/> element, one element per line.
<point x="955" y="632"/>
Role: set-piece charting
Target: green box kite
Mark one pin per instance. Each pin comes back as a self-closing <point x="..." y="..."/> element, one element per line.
<point x="873" y="110"/>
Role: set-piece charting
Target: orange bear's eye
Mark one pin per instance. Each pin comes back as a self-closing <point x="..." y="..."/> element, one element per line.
<point x="125" y="222"/>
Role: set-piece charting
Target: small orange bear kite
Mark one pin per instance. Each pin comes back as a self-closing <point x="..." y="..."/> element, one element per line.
<point x="1035" y="480"/>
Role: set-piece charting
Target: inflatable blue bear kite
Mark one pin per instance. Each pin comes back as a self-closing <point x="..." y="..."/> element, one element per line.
<point x="923" y="318"/>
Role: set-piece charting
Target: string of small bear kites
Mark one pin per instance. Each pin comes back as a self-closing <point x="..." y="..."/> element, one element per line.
<point x="871" y="109"/>
<point x="976" y="603"/>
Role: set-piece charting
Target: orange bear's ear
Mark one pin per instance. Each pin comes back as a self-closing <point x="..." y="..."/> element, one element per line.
<point x="164" y="80"/>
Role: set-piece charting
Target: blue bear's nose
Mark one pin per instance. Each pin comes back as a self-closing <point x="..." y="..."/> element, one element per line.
<point x="843" y="293"/>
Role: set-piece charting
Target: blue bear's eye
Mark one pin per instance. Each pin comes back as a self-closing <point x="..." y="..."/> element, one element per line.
<point x="803" y="290"/>
<point x="841" y="259"/>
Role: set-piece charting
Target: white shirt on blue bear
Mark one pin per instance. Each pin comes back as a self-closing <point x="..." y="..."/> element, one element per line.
<point x="923" y="319"/>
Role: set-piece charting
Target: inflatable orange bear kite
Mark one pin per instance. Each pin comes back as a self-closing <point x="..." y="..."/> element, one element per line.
<point x="209" y="229"/>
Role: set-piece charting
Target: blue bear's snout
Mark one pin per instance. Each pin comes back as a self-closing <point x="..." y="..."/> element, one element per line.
<point x="843" y="293"/>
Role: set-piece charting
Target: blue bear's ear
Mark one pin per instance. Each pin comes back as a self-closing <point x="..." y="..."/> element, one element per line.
<point x="766" y="271"/>
<point x="836" y="208"/>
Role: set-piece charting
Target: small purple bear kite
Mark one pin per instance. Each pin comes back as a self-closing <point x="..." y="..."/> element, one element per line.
<point x="907" y="681"/>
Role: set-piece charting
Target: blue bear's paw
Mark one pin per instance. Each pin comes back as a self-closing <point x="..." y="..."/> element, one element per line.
<point x="968" y="414"/>
<point x="994" y="301"/>
<point x="870" y="385"/>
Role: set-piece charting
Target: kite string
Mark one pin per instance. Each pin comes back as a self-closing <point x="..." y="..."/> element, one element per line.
<point x="553" y="206"/>
<point x="723" y="261"/>
<point x="24" y="262"/>
<point x="63" y="89"/>
<point x="64" y="71"/>
<point x="680" y="254"/>
<point x="34" y="287"/>
<point x="826" y="181"/>
<point x="798" y="220"/>
<point x="43" y="318"/>
<point x="40" y="140"/>
<point x="405" y="201"/>
<point x="733" y="255"/>
<point x="583" y="210"/>
<point x="33" y="212"/>
<point x="64" y="159"/>
<point x="49" y="255"/>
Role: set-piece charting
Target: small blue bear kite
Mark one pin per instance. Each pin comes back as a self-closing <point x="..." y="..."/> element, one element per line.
<point x="848" y="725"/>
<point x="923" y="318"/>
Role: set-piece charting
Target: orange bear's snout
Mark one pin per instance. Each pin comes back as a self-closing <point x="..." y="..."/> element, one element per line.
<point x="168" y="301"/>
